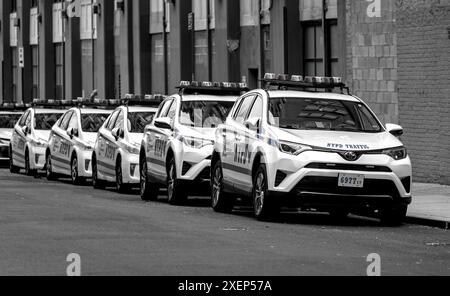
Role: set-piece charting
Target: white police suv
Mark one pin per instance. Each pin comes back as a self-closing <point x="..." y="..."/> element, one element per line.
<point x="116" y="150"/>
<point x="291" y="145"/>
<point x="177" y="147"/>
<point x="10" y="113"/>
<point x="72" y="140"/>
<point x="30" y="137"/>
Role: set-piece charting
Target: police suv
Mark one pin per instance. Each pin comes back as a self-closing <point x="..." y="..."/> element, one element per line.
<point x="177" y="147"/>
<point x="31" y="133"/>
<point x="72" y="140"/>
<point x="116" y="150"/>
<point x="293" y="145"/>
<point x="10" y="113"/>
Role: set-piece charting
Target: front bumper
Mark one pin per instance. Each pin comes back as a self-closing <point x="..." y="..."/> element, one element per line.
<point x="312" y="178"/>
<point x="85" y="164"/>
<point x="130" y="169"/>
<point x="4" y="152"/>
<point x="195" y="164"/>
<point x="37" y="157"/>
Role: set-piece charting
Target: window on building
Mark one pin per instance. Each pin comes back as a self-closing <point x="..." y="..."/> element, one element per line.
<point x="35" y="70"/>
<point x="202" y="42"/>
<point x="88" y="21"/>
<point x="317" y="47"/>
<point x="249" y="12"/>
<point x="58" y="43"/>
<point x="15" y="74"/>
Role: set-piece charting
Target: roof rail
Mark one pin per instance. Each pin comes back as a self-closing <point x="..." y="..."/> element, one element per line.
<point x="212" y="88"/>
<point x="311" y="83"/>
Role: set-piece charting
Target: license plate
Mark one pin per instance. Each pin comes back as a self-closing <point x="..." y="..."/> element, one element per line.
<point x="352" y="181"/>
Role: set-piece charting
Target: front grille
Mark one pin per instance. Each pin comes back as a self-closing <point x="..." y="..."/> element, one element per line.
<point x="279" y="178"/>
<point x="4" y="152"/>
<point x="186" y="168"/>
<point x="329" y="185"/>
<point x="349" y="167"/>
<point x="407" y="184"/>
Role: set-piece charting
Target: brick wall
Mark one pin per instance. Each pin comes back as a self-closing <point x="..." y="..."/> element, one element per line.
<point x="372" y="57"/>
<point x="423" y="28"/>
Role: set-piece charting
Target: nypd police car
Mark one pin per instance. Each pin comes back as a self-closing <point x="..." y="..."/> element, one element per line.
<point x="116" y="150"/>
<point x="72" y="140"/>
<point x="10" y="113"/>
<point x="293" y="145"/>
<point x="30" y="137"/>
<point x="177" y="147"/>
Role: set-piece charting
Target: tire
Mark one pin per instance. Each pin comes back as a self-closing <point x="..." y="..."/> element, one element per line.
<point x="76" y="179"/>
<point x="48" y="168"/>
<point x="220" y="200"/>
<point x="121" y="188"/>
<point x="175" y="193"/>
<point x="265" y="207"/>
<point x="28" y="170"/>
<point x="12" y="168"/>
<point x="393" y="216"/>
<point x="149" y="191"/>
<point x="96" y="182"/>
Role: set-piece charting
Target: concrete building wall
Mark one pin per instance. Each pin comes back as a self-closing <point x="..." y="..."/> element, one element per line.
<point x="424" y="85"/>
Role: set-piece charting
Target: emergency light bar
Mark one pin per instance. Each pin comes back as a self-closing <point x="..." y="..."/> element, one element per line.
<point x="146" y="100"/>
<point x="95" y="103"/>
<point x="212" y="88"/>
<point x="14" y="106"/>
<point x="309" y="82"/>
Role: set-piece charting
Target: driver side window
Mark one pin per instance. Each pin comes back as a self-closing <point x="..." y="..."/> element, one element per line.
<point x="257" y="109"/>
<point x="165" y="109"/>
<point x="119" y="121"/>
<point x="65" y="121"/>
<point x="112" y="121"/>
<point x="241" y="114"/>
<point x="24" y="119"/>
<point x="73" y="123"/>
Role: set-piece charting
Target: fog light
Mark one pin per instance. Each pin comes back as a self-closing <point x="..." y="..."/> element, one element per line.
<point x="36" y="158"/>
<point x="132" y="169"/>
<point x="87" y="162"/>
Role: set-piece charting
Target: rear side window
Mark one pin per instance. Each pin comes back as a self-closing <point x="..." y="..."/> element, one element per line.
<point x="244" y="109"/>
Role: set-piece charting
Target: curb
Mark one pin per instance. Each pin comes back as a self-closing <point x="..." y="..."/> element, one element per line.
<point x="428" y="222"/>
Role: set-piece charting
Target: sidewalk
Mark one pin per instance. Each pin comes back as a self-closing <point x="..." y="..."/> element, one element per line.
<point x="431" y="205"/>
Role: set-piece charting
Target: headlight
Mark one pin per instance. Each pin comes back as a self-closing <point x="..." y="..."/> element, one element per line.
<point x="396" y="153"/>
<point x="132" y="149"/>
<point x="292" y="148"/>
<point x="196" y="143"/>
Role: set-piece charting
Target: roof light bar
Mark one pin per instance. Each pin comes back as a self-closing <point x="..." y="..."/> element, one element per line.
<point x="212" y="88"/>
<point x="143" y="100"/>
<point x="308" y="82"/>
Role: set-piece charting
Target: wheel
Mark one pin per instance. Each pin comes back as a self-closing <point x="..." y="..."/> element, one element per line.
<point x="393" y="216"/>
<point x="149" y="191"/>
<point x="12" y="168"/>
<point x="76" y="179"/>
<point x="96" y="182"/>
<point x="221" y="201"/>
<point x="174" y="190"/>
<point x="28" y="170"/>
<point x="339" y="214"/>
<point x="48" y="168"/>
<point x="265" y="207"/>
<point x="121" y="188"/>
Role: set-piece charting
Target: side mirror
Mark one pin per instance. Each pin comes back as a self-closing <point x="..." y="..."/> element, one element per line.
<point x="394" y="129"/>
<point x="163" y="123"/>
<point x="73" y="132"/>
<point x="25" y="130"/>
<point x="253" y="124"/>
<point x="117" y="133"/>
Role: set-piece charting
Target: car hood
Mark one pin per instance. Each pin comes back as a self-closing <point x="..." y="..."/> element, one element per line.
<point x="201" y="133"/>
<point x="90" y="138"/>
<point x="136" y="138"/>
<point x="43" y="135"/>
<point x="6" y="133"/>
<point x="346" y="141"/>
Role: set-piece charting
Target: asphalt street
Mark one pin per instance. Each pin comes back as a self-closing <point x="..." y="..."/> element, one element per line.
<point x="42" y="222"/>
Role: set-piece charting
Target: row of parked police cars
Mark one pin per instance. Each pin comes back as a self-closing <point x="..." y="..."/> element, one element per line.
<point x="300" y="142"/>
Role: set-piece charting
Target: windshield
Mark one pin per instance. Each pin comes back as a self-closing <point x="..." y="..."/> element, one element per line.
<point x="9" y="120"/>
<point x="204" y="114"/>
<point x="91" y="123"/>
<point x="137" y="121"/>
<point x="322" y="114"/>
<point x="45" y="121"/>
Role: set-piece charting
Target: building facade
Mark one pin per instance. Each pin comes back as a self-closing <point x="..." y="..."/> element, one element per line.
<point x="395" y="54"/>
